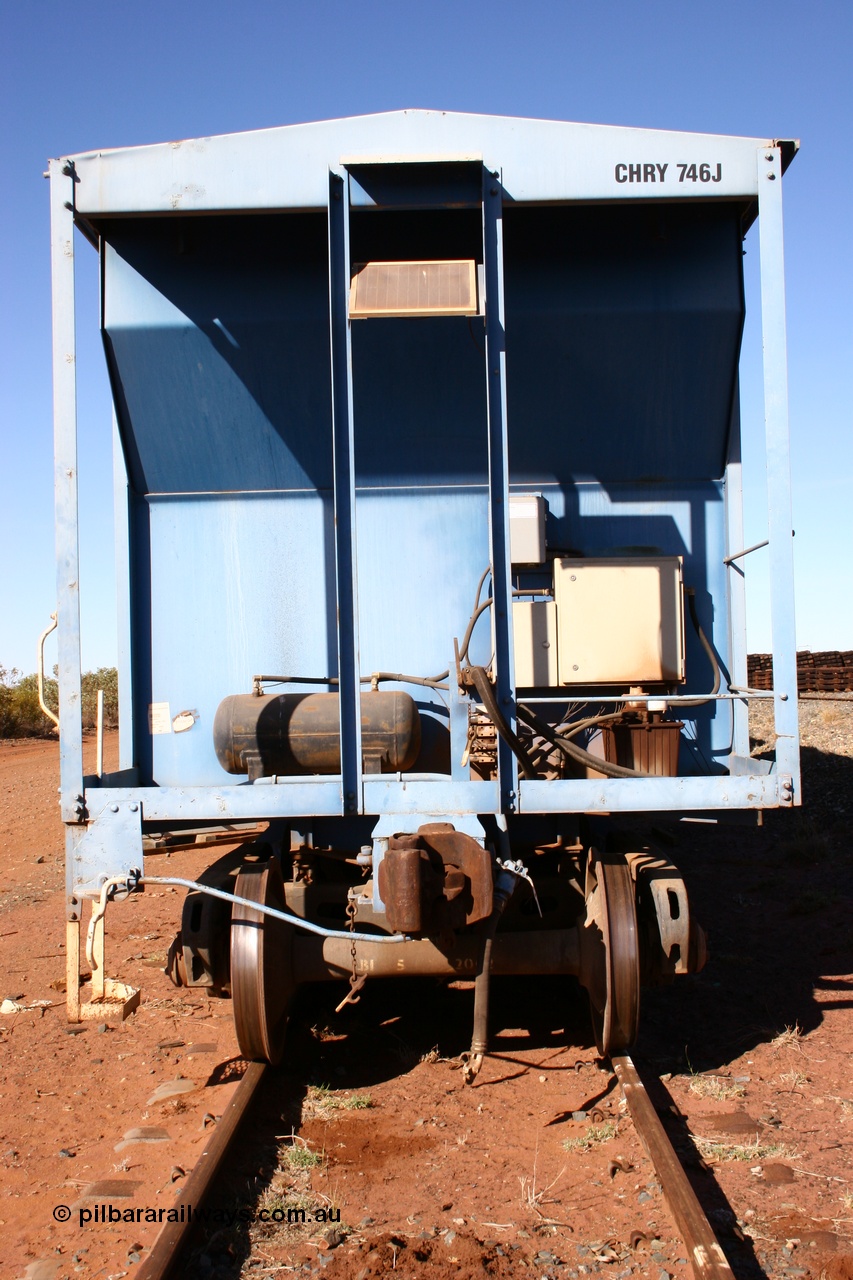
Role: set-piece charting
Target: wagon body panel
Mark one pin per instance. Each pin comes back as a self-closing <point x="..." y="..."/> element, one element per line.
<point x="303" y="496"/>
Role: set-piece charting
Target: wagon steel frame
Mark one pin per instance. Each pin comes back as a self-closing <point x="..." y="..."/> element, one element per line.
<point x="572" y="163"/>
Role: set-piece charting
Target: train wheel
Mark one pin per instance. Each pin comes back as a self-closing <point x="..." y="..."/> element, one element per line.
<point x="261" y="970"/>
<point x="610" y="952"/>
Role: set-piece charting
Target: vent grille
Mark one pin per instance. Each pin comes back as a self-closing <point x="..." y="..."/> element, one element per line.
<point x="414" y="289"/>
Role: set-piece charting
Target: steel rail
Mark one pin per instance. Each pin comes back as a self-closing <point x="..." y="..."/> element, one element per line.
<point x="707" y="1257"/>
<point x="165" y="1257"/>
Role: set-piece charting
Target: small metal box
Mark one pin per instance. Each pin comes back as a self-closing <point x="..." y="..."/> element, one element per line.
<point x="620" y="621"/>
<point x="534" y="625"/>
<point x="527" y="528"/>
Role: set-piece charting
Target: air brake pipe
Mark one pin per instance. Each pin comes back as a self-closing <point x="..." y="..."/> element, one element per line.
<point x="287" y="917"/>
<point x="503" y="891"/>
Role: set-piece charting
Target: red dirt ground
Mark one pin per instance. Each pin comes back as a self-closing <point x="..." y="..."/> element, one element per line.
<point x="433" y="1178"/>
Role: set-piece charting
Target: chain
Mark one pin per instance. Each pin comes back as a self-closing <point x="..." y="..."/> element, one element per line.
<point x="351" y="913"/>
<point x="355" y="982"/>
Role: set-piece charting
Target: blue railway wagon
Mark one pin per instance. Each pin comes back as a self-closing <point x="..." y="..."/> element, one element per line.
<point x="429" y="523"/>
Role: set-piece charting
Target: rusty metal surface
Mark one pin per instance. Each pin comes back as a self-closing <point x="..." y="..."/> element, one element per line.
<point x="434" y="880"/>
<point x="165" y="1257"/>
<point x="551" y="951"/>
<point x="706" y="1256"/>
<point x="671" y="940"/>
<point x="405" y="878"/>
<point x="609" y="952"/>
<point x="651" y="748"/>
<point x="261" y="971"/>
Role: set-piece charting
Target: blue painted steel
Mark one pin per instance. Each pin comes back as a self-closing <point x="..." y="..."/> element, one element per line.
<point x="781" y="550"/>
<point x="621" y="328"/>
<point x="109" y="846"/>
<point x="736" y="587"/>
<point x="649" y="795"/>
<point x="124" y="603"/>
<point x="443" y="184"/>
<point x="541" y="160"/>
<point x="343" y="449"/>
<point x="311" y="497"/>
<point x="320" y="797"/>
<point x="493" y="253"/>
<point x="65" y="494"/>
<point x="237" y="585"/>
<point x="215" y="323"/>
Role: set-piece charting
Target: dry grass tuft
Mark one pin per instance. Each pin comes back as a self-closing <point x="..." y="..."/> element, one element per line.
<point x="716" y="1087"/>
<point x="833" y="714"/>
<point x="532" y="1198"/>
<point x="790" y="1038"/>
<point x="595" y="1136"/>
<point x="846" y="1105"/>
<point x="749" y="1151"/>
<point x="297" y="1155"/>
<point x="793" y="1080"/>
<point x="320" y="1101"/>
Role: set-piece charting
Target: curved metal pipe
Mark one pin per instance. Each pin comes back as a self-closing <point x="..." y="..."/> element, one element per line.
<point x="40" y="670"/>
<point x="286" y="916"/>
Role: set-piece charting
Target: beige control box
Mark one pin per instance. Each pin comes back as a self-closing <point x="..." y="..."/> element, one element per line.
<point x="527" y="513"/>
<point x="620" y="620"/>
<point x="534" y="635"/>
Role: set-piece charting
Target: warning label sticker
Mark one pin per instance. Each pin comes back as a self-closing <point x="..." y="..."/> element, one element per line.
<point x="159" y="719"/>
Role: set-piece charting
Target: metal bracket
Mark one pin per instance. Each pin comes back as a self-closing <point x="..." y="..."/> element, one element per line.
<point x="738" y="555"/>
<point x="786" y="789"/>
<point x="106" y="847"/>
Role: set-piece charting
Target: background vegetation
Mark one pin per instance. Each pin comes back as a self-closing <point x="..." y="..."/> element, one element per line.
<point x="22" y="717"/>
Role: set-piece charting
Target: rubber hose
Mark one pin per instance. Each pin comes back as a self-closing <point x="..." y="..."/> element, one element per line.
<point x="709" y="652"/>
<point x="480" y="1036"/>
<point x="575" y="752"/>
<point x="483" y="685"/>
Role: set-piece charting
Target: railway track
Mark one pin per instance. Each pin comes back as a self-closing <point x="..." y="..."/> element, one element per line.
<point x="165" y="1258"/>
<point x="706" y="1256"/>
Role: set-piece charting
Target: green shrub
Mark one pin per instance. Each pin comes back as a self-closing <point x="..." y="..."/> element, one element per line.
<point x="22" y="717"/>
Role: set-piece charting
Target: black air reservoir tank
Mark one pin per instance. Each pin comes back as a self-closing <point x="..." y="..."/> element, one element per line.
<point x="299" y="733"/>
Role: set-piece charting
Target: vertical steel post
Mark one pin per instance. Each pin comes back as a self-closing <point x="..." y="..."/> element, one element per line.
<point x="67" y="552"/>
<point x="65" y="489"/>
<point x="121" y="514"/>
<point x="343" y="450"/>
<point x="499" y="476"/>
<point x="769" y="161"/>
<point x="735" y="582"/>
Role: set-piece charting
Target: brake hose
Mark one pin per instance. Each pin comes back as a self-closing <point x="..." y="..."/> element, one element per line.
<point x="483" y="685"/>
<point x="575" y="752"/>
<point x="709" y="652"/>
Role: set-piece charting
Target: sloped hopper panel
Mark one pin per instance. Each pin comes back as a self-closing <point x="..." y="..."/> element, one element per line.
<point x="623" y="339"/>
<point x="217" y="335"/>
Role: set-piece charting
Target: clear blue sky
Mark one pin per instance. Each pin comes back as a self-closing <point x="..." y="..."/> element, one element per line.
<point x="109" y="75"/>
